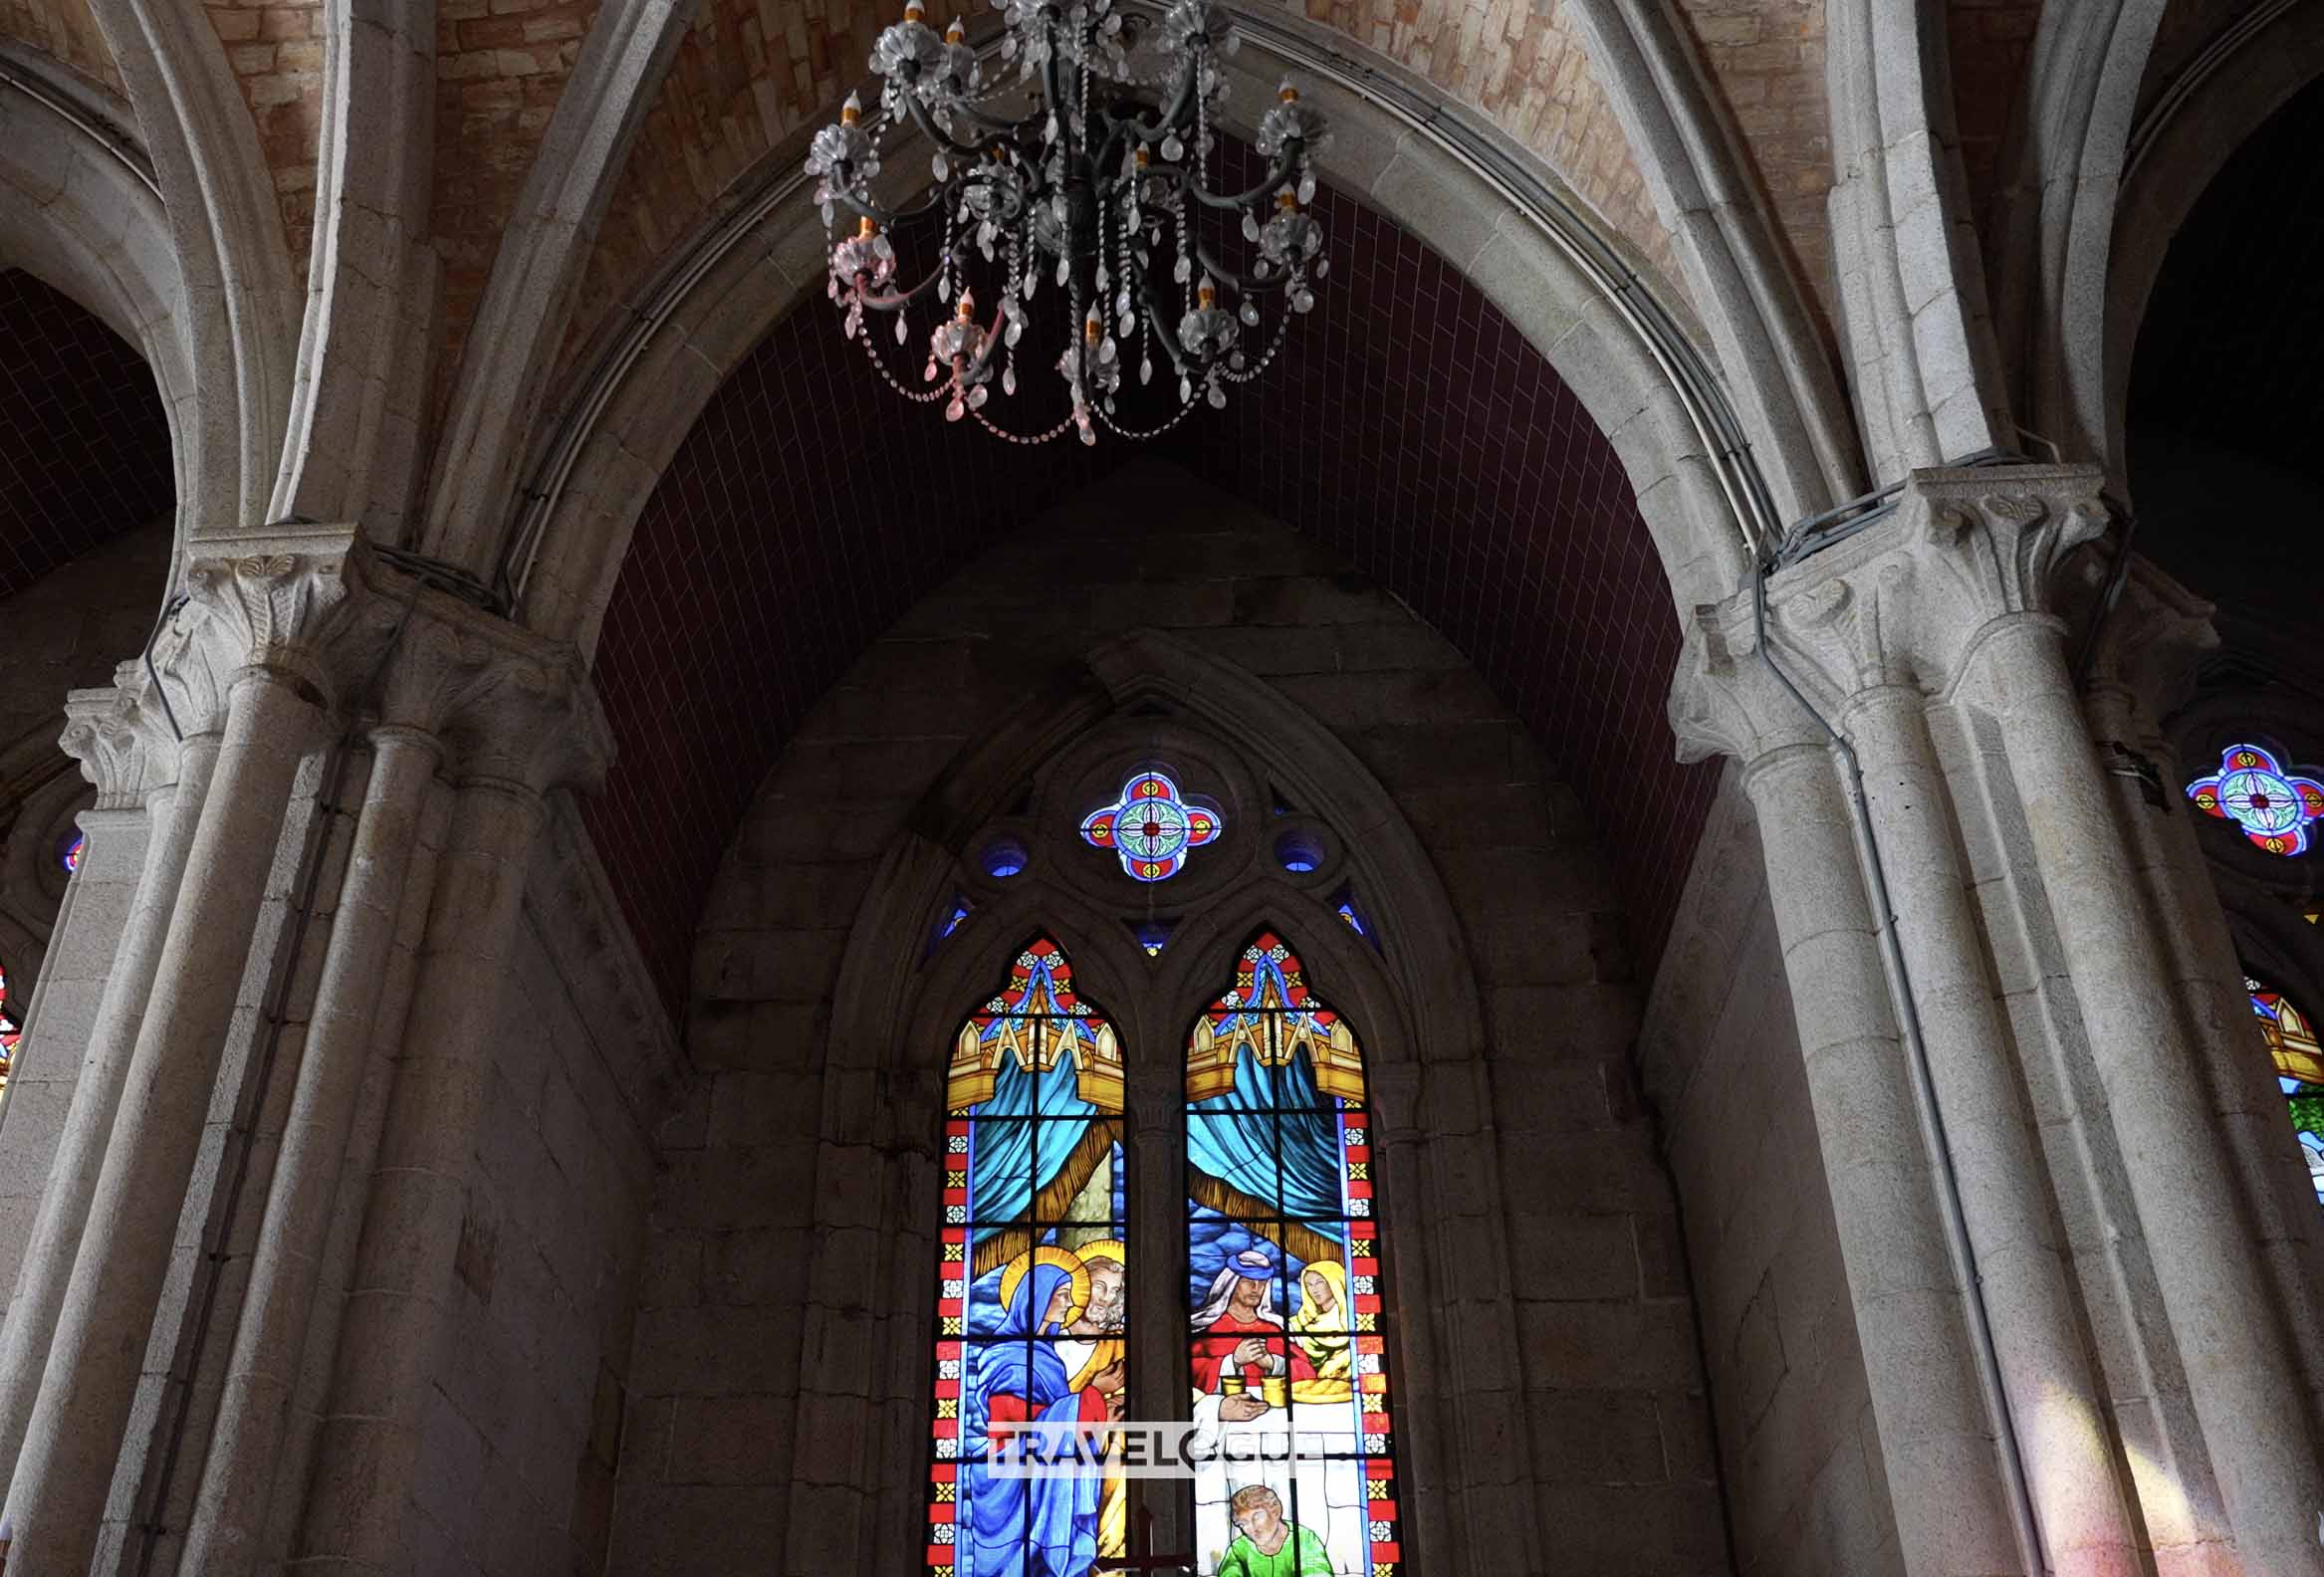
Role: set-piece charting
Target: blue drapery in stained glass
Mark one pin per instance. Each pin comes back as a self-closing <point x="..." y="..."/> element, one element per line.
<point x="1227" y="1139"/>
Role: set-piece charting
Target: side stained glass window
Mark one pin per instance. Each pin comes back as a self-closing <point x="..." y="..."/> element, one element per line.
<point x="1285" y="1346"/>
<point x="10" y="1034"/>
<point x="1029" y="1311"/>
<point x="2299" y="1069"/>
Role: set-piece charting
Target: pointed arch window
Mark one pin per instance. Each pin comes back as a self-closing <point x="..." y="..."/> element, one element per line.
<point x="2292" y="1043"/>
<point x="1282" y="1331"/>
<point x="10" y="1034"/>
<point x="1030" y="1322"/>
<point x="1283" y="1270"/>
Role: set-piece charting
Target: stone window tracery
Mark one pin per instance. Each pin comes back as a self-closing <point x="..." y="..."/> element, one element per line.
<point x="10" y="1034"/>
<point x="2270" y="802"/>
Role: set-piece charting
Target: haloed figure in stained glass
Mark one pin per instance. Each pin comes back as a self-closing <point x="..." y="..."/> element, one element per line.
<point x="1030" y="1294"/>
<point x="1285" y="1346"/>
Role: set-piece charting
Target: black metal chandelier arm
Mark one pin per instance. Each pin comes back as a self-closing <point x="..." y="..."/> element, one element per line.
<point x="1003" y="130"/>
<point x="1173" y="118"/>
<point x="1270" y="182"/>
<point x="935" y="133"/>
<point x="891" y="218"/>
<point x="1243" y="283"/>
<point x="897" y="300"/>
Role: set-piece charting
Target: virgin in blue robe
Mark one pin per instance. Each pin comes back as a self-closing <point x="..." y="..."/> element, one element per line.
<point x="1023" y="1528"/>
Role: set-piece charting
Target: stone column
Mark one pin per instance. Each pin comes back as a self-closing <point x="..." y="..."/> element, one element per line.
<point x="127" y="752"/>
<point x="2228" y="1334"/>
<point x="231" y="1505"/>
<point x="2144" y="669"/>
<point x="530" y="721"/>
<point x="235" y="651"/>
<point x="2045" y="1369"/>
<point x="1937" y="1436"/>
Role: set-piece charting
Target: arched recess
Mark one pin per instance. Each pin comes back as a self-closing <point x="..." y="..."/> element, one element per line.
<point x="1669" y="417"/>
<point x="1416" y="1001"/>
<point x="2099" y="201"/>
<point x="84" y="215"/>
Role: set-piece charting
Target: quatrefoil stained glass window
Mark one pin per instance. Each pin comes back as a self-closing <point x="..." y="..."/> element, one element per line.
<point x="1152" y="826"/>
<point x="2262" y="796"/>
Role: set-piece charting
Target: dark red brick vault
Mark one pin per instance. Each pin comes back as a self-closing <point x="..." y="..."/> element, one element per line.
<point x="84" y="442"/>
<point x="1407" y="424"/>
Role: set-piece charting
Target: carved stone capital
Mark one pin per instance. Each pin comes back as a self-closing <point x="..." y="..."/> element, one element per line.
<point x="504" y="702"/>
<point x="269" y="602"/>
<point x="1988" y="543"/>
<point x="125" y="747"/>
<point x="1723" y="700"/>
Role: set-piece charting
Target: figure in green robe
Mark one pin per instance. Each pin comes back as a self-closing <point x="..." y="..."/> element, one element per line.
<point x="1269" y="1545"/>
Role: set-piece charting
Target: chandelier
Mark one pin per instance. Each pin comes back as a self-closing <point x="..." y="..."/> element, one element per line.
<point x="1090" y="185"/>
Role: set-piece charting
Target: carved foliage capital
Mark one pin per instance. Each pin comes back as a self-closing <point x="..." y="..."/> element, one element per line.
<point x="267" y="604"/>
<point x="2150" y="642"/>
<point x="125" y="747"/>
<point x="1989" y="544"/>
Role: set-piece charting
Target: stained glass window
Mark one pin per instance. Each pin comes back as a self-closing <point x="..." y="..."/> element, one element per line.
<point x="2299" y="1069"/>
<point x="10" y="1034"/>
<point x="69" y="854"/>
<point x="2262" y="795"/>
<point x="1030" y="1321"/>
<point x="1152" y="826"/>
<point x="1284" y="1273"/>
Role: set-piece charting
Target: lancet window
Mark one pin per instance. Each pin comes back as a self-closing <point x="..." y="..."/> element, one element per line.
<point x="2290" y="1036"/>
<point x="1282" y="1341"/>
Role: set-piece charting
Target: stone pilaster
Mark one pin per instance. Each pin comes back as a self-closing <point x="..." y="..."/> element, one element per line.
<point x="1867" y="631"/>
<point x="2147" y="1032"/>
<point x="236" y="677"/>
<point x="517" y="718"/>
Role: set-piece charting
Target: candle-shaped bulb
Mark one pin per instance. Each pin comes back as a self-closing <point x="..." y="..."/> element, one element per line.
<point x="865" y="229"/>
<point x="968" y="304"/>
<point x="1092" y="328"/>
<point x="1289" y="93"/>
<point x="1206" y="293"/>
<point x="1286" y="199"/>
<point x="852" y="111"/>
<point x="1146" y="155"/>
<point x="914" y="10"/>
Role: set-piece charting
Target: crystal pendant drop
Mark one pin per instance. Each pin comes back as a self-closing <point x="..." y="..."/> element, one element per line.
<point x="1218" y="397"/>
<point x="904" y="328"/>
<point x="1145" y="370"/>
<point x="1008" y="379"/>
<point x="1303" y="300"/>
<point x="1185" y="388"/>
<point x="1249" y="316"/>
<point x="940" y="167"/>
<point x="1307" y="188"/>
<point x="978" y="397"/>
<point x="1322" y="266"/>
<point x="1249" y="226"/>
<point x="1172" y="149"/>
<point x="1184" y="271"/>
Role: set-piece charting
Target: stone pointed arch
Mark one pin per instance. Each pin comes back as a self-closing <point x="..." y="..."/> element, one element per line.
<point x="1669" y="416"/>
<point x="356" y="414"/>
<point x="520" y="323"/>
<point x="82" y="209"/>
<point x="1925" y="369"/>
<point x="1751" y="300"/>
<point x="241" y="305"/>
<point x="2102" y="189"/>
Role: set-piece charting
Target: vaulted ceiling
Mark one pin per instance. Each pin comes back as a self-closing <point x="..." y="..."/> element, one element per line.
<point x="1407" y="424"/>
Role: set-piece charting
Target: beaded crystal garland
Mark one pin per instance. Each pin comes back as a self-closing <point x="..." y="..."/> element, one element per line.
<point x="2262" y="796"/>
<point x="1083" y="175"/>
